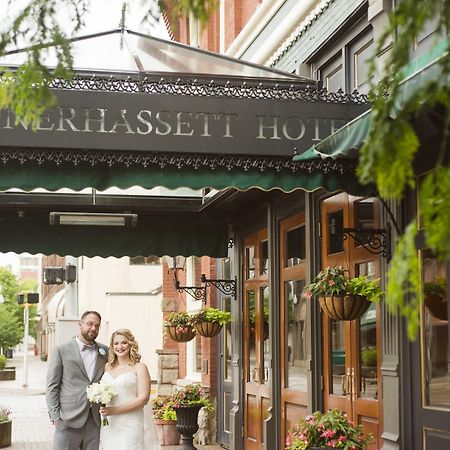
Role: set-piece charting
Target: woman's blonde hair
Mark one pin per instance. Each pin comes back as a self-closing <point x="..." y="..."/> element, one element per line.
<point x="135" y="357"/>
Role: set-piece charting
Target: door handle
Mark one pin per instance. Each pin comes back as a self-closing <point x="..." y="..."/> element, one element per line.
<point x="344" y="382"/>
<point x="255" y="374"/>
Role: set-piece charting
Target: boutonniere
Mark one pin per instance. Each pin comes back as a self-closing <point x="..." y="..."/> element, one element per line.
<point x="101" y="351"/>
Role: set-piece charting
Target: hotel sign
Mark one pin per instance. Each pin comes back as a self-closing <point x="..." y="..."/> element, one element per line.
<point x="178" y="123"/>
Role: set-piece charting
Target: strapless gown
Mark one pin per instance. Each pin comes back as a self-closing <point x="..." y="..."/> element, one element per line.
<point x="125" y="431"/>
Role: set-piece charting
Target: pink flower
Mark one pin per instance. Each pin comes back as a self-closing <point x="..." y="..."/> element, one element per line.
<point x="328" y="433"/>
<point x="342" y="438"/>
<point x="331" y="283"/>
<point x="307" y="295"/>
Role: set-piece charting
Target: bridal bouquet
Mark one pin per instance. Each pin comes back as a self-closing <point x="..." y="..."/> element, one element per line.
<point x="100" y="393"/>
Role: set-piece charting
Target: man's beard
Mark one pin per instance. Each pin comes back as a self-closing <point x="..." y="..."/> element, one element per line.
<point x="88" y="337"/>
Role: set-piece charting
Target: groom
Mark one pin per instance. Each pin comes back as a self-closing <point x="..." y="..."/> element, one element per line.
<point x="72" y="367"/>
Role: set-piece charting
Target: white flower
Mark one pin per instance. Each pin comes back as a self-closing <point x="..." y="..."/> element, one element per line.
<point x="102" y="351"/>
<point x="100" y="393"/>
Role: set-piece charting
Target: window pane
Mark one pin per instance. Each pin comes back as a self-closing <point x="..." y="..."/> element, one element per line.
<point x="369" y="353"/>
<point x="362" y="63"/>
<point x="250" y="338"/>
<point x="295" y="246"/>
<point x="335" y="224"/>
<point x="264" y="258"/>
<point x="295" y="335"/>
<point x="333" y="81"/>
<point x="266" y="335"/>
<point x="250" y="260"/>
<point x="337" y="356"/>
<point x="435" y="357"/>
<point x="226" y="302"/>
<point x="364" y="213"/>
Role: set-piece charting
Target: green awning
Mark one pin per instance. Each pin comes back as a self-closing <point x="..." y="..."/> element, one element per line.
<point x="306" y="176"/>
<point x="345" y="142"/>
<point x="155" y="234"/>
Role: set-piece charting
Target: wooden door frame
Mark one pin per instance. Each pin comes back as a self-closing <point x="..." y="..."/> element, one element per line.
<point x="288" y="274"/>
<point x="257" y="283"/>
<point x="353" y="404"/>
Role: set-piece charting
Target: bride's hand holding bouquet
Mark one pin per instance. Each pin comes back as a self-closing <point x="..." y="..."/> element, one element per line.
<point x="102" y="394"/>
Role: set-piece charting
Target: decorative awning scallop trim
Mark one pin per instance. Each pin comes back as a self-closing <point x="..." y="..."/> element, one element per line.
<point x="214" y="88"/>
<point x="174" y="160"/>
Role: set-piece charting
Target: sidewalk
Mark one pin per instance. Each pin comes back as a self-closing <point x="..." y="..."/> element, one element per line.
<point x="32" y="429"/>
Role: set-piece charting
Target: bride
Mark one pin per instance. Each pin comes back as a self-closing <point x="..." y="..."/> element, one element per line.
<point x="130" y="380"/>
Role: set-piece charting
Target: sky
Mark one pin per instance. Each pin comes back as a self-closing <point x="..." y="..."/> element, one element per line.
<point x="103" y="15"/>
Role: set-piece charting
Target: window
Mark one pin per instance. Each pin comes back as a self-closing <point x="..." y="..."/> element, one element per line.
<point x="346" y="65"/>
<point x="144" y="261"/>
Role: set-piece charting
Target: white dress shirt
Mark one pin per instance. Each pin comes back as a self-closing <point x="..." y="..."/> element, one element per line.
<point x="88" y="355"/>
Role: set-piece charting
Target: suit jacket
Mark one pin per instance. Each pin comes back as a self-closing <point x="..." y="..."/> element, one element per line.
<point x="67" y="381"/>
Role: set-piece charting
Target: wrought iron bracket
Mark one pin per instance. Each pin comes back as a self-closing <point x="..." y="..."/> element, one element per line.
<point x="227" y="287"/>
<point x="376" y="240"/>
<point x="197" y="292"/>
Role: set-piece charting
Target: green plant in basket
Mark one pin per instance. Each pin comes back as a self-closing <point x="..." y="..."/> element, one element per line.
<point x="332" y="281"/>
<point x="178" y="319"/>
<point x="209" y="314"/>
<point x="327" y="430"/>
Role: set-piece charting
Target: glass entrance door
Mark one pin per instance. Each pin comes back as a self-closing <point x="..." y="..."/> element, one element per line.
<point x="351" y="348"/>
<point x="257" y="357"/>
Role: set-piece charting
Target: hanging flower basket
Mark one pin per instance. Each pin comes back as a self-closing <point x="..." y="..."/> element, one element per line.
<point x="341" y="297"/>
<point x="208" y="322"/>
<point x="181" y="334"/>
<point x="208" y="329"/>
<point x="437" y="305"/>
<point x="344" y="307"/>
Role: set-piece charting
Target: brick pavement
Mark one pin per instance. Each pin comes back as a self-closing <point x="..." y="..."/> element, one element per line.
<point x="31" y="427"/>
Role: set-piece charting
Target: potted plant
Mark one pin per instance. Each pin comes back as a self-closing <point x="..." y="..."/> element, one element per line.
<point x="165" y="420"/>
<point x="325" y="430"/>
<point x="178" y="326"/>
<point x="209" y="321"/>
<point x="187" y="402"/>
<point x="435" y="297"/>
<point x="5" y="427"/>
<point x="341" y="297"/>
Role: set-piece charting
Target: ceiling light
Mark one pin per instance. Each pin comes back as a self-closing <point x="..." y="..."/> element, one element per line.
<point x="96" y="219"/>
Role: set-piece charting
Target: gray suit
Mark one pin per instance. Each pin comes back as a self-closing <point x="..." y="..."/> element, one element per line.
<point x="66" y="396"/>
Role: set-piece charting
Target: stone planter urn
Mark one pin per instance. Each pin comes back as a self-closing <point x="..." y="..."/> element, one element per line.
<point x="344" y="307"/>
<point x="187" y="425"/>
<point x="167" y="432"/>
<point x="5" y="434"/>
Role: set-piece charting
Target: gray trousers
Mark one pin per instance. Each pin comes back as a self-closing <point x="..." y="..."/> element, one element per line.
<point x="85" y="438"/>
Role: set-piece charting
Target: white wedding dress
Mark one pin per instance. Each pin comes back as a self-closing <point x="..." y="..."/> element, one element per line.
<point x="125" y="431"/>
